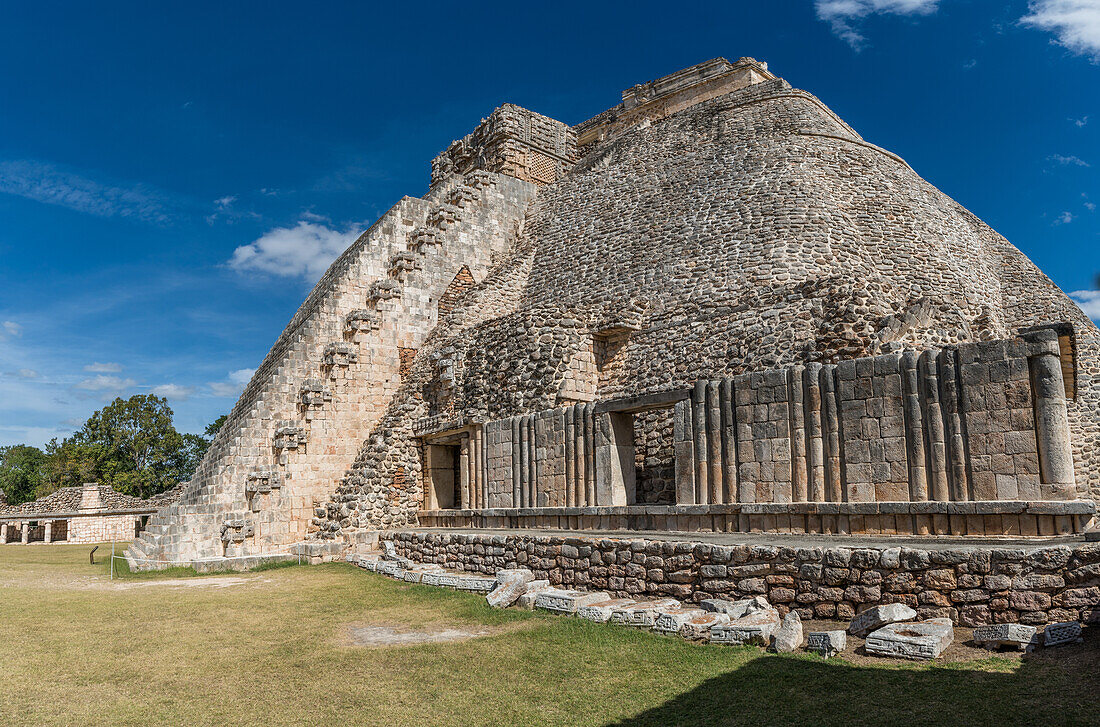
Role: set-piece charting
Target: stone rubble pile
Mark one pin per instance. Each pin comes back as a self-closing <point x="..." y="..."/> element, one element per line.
<point x="889" y="630"/>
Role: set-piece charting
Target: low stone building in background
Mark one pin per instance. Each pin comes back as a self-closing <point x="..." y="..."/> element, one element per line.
<point x="712" y="307"/>
<point x="89" y="514"/>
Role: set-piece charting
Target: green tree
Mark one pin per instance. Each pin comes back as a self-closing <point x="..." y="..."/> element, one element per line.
<point x="22" y="472"/>
<point x="213" y="427"/>
<point x="131" y="445"/>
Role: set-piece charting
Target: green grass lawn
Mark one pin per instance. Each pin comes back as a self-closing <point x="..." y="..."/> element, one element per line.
<point x="271" y="648"/>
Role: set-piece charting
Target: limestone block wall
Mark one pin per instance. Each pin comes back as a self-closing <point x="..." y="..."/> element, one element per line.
<point x="330" y="377"/>
<point x="978" y="422"/>
<point x="101" y="528"/>
<point x="984" y="421"/>
<point x="971" y="585"/>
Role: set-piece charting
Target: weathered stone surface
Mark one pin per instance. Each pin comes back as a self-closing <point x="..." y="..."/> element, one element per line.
<point x="476" y="584"/>
<point x="698" y="627"/>
<point x="755" y="628"/>
<point x="735" y="609"/>
<point x="534" y="588"/>
<point x="561" y="601"/>
<point x="876" y="617"/>
<point x="826" y="643"/>
<point x="788" y="637"/>
<point x="1017" y="636"/>
<point x="671" y="620"/>
<point x="1068" y="632"/>
<point x="511" y="584"/>
<point x="642" y="614"/>
<point x="918" y="640"/>
<point x="601" y="611"/>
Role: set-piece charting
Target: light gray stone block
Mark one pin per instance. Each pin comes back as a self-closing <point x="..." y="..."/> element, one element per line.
<point x="827" y="643"/>
<point x="755" y="628"/>
<point x="1017" y="636"/>
<point x="878" y="616"/>
<point x="1066" y="632"/>
<point x="560" y="601"/>
<point x="671" y="620"/>
<point x="642" y="614"/>
<point x="601" y="611"/>
<point x="788" y="637"/>
<point x="918" y="640"/>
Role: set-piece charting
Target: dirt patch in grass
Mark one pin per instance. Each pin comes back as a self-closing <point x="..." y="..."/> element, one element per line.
<point x="376" y="635"/>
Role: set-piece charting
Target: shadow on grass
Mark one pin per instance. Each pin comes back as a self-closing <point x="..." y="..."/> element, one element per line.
<point x="1053" y="687"/>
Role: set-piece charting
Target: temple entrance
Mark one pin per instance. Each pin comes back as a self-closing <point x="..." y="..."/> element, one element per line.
<point x="443" y="470"/>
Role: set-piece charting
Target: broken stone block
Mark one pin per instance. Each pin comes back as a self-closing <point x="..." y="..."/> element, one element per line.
<point x="389" y="550"/>
<point x="788" y="636"/>
<point x="1067" y="632"/>
<point x="440" y="579"/>
<point x="671" y="620"/>
<point x="368" y="562"/>
<point x="511" y="584"/>
<point x="475" y="584"/>
<point x="560" y="601"/>
<point x="698" y="628"/>
<point x="387" y="567"/>
<point x="755" y="628"/>
<point x="1017" y="636"/>
<point x="534" y="588"/>
<point x="601" y="612"/>
<point x="920" y="640"/>
<point x="827" y="643"/>
<point x="642" y="614"/>
<point x="735" y="609"/>
<point x="875" y="618"/>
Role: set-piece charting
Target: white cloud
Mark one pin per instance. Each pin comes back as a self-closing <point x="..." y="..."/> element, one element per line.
<point x="1068" y="160"/>
<point x="49" y="184"/>
<point x="1090" y="206"/>
<point x="1064" y="219"/>
<point x="234" y="383"/>
<point x="107" y="384"/>
<point x="305" y="250"/>
<point x="1080" y="122"/>
<point x="103" y="368"/>
<point x="225" y="202"/>
<point x="1089" y="302"/>
<point x="1074" y="23"/>
<point x="12" y="328"/>
<point x="843" y="15"/>
<point x="173" y="391"/>
<point x="27" y="374"/>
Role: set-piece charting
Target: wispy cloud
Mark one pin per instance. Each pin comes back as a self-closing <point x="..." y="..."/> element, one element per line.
<point x="1075" y="24"/>
<point x="107" y="384"/>
<point x="1081" y="122"/>
<point x="103" y="368"/>
<point x="10" y="328"/>
<point x="844" y="16"/>
<point x="233" y="384"/>
<point x="305" y="250"/>
<point x="50" y="184"/>
<point x="1089" y="302"/>
<point x="1065" y="218"/>
<point x="1070" y="160"/>
<point x="173" y="391"/>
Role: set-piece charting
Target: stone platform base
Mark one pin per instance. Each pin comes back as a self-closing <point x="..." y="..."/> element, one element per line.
<point x="820" y="578"/>
<point x="1008" y="518"/>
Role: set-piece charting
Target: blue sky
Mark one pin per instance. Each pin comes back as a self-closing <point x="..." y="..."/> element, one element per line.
<point x="175" y="177"/>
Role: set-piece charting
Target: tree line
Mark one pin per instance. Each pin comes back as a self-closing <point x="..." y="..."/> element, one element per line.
<point x="130" y="444"/>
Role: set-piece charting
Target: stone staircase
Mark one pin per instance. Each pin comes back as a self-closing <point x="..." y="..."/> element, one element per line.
<point x="335" y="367"/>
